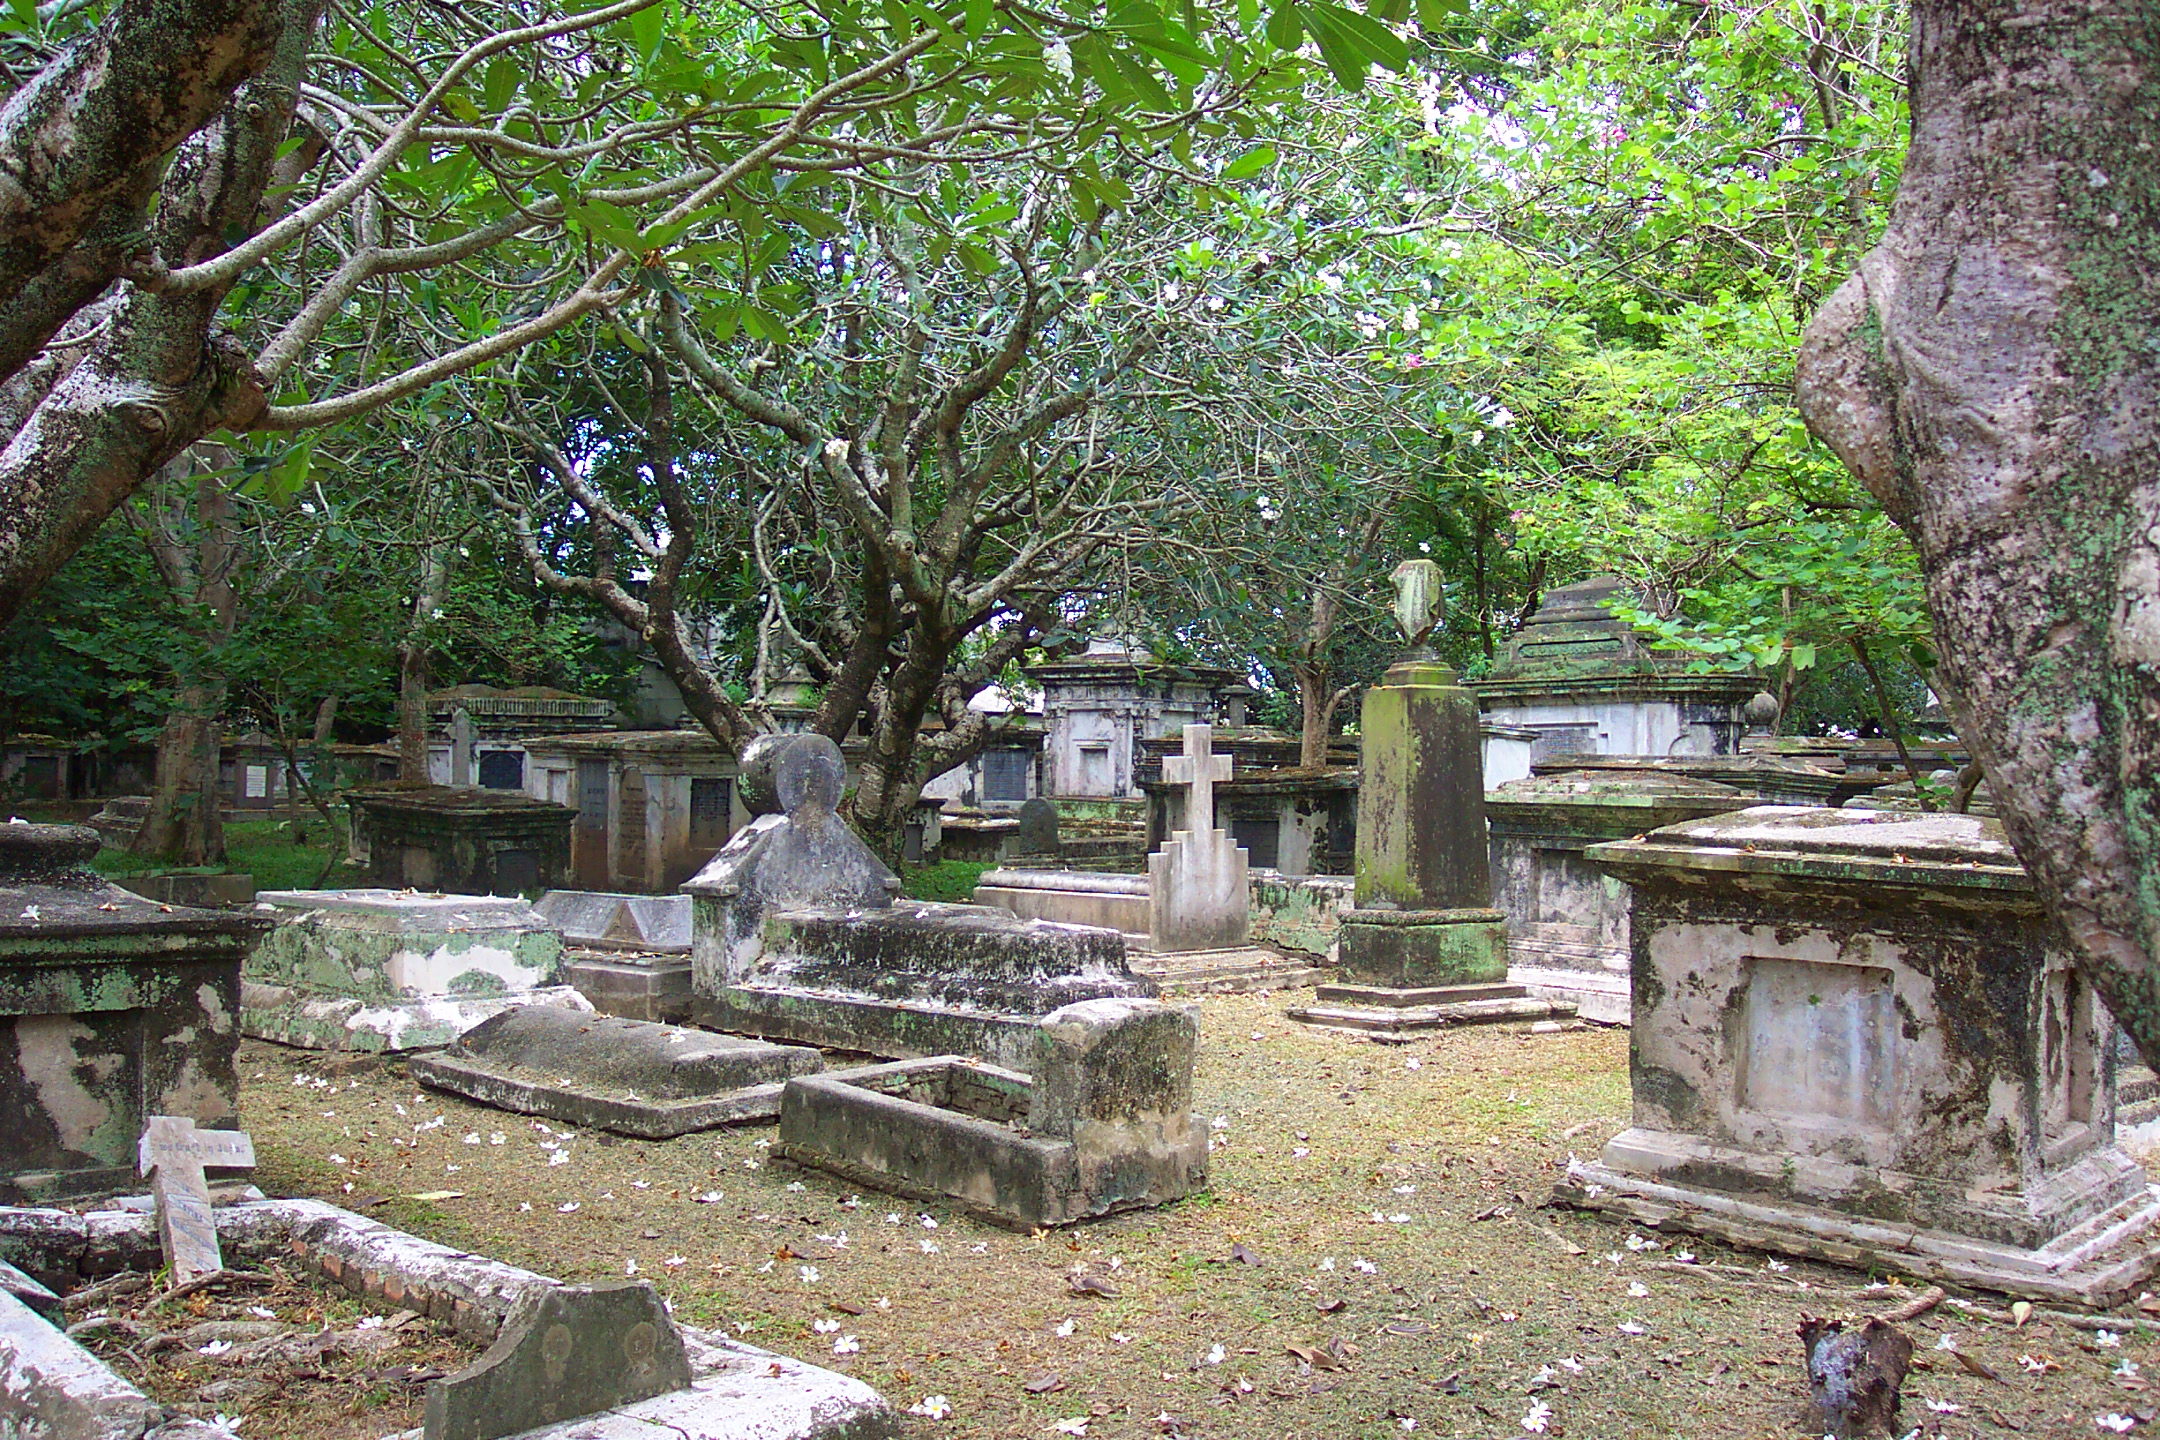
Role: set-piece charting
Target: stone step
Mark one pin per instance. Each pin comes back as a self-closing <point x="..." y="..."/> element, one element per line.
<point x="2137" y="1096"/>
<point x="1385" y="998"/>
<point x="1393" y="1024"/>
<point x="1218" y="972"/>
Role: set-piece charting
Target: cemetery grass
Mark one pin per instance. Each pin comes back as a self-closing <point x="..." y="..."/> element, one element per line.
<point x="1372" y="1259"/>
<point x="952" y="881"/>
<point x="265" y="849"/>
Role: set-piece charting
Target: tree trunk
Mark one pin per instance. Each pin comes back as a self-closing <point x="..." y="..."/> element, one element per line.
<point x="1992" y="374"/>
<point x="183" y="825"/>
<point x="1314" y="686"/>
<point x="413" y="667"/>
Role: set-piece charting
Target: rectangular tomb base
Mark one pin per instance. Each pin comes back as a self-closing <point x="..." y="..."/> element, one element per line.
<point x="1243" y="970"/>
<point x="2099" y="1263"/>
<point x="1373" y="1012"/>
<point x="950" y="1128"/>
<point x="635" y="986"/>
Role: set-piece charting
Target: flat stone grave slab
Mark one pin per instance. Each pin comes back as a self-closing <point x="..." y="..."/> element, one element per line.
<point x="1857" y="1037"/>
<point x="1103" y="1125"/>
<point x="633" y="1077"/>
<point x="394" y="970"/>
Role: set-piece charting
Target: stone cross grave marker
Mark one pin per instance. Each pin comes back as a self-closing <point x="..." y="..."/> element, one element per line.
<point x="461" y="749"/>
<point x="1199" y="769"/>
<point x="1196" y="883"/>
<point x="174" y="1154"/>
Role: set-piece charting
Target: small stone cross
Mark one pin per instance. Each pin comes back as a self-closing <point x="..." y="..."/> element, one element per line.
<point x="174" y="1154"/>
<point x="1200" y="768"/>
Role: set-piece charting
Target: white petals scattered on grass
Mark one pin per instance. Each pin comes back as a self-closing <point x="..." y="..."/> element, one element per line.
<point x="810" y="1275"/>
<point x="2107" y="1339"/>
<point x="1537" y="1417"/>
<point x="630" y="1266"/>
<point x="1570" y="1364"/>
<point x="218" y="1347"/>
<point x="1637" y="1290"/>
<point x="797" y="1185"/>
<point x="927" y="1222"/>
<point x="2128" y="1370"/>
<point x="558" y="1157"/>
<point x="1119" y="1337"/>
<point x="1065" y="1328"/>
<point x="824" y="1327"/>
<point x="1407" y="1423"/>
<point x="1629" y="1327"/>
<point x="934" y="1407"/>
<point x="370" y="1322"/>
<point x="1077" y="1425"/>
<point x="1944" y="1407"/>
<point x="568" y="1207"/>
<point x="1413" y="1063"/>
<point x="496" y="1137"/>
<point x="2118" y="1424"/>
<point x="929" y="1247"/>
<point x="1328" y="1263"/>
<point x="1637" y="1242"/>
<point x="882" y="1303"/>
<point x="264" y="1312"/>
<point x="1778" y="1265"/>
<point x="846" y="1345"/>
<point x="676" y="1262"/>
<point x="1216" y="1354"/>
<point x="711" y="1197"/>
<point x="892" y="1217"/>
<point x="1365" y="1267"/>
<point x="339" y="1160"/>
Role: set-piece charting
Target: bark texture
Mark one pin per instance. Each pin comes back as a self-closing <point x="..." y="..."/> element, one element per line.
<point x="1992" y="374"/>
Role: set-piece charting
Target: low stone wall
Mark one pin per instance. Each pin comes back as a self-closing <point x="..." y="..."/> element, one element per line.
<point x="1299" y="912"/>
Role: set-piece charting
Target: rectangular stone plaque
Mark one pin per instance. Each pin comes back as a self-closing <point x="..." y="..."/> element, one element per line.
<point x="1821" y="1041"/>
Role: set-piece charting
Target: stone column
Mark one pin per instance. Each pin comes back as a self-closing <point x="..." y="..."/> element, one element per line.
<point x="1423" y="911"/>
<point x="1422" y="945"/>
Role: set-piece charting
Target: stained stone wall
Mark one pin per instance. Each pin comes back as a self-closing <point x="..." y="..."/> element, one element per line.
<point x="461" y="842"/>
<point x="112" y="1009"/>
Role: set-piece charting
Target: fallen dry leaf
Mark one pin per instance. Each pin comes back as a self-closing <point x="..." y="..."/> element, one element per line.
<point x="1975" y="1366"/>
<point x="1045" y="1383"/>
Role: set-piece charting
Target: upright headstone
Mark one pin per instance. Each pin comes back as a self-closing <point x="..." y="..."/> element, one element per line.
<point x="1422" y="945"/>
<point x="565" y="1352"/>
<point x="461" y="750"/>
<point x="174" y="1154"/>
<point x="1197" y="893"/>
<point x="1038" y="832"/>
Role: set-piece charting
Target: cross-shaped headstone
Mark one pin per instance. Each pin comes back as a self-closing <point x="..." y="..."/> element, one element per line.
<point x="174" y="1154"/>
<point x="1199" y="768"/>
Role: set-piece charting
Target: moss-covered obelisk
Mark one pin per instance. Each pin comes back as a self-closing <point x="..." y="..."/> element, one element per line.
<point x="1422" y="946"/>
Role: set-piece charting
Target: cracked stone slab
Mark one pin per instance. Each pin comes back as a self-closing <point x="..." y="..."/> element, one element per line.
<point x="634" y="1077"/>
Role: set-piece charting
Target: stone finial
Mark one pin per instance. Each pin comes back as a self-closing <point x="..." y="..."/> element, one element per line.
<point x="1200" y="769"/>
<point x="813" y="761"/>
<point x="1417" y="600"/>
<point x="1762" y="713"/>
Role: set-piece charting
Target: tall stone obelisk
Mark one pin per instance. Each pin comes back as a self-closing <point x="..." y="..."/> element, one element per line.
<point x="1422" y="946"/>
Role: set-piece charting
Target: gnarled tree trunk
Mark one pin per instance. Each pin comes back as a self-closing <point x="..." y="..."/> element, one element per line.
<point x="1992" y="373"/>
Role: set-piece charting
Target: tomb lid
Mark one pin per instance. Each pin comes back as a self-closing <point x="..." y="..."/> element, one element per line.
<point x="1871" y="846"/>
<point x="685" y="744"/>
<point x="407" y="910"/>
<point x="454" y="800"/>
<point x="1593" y="786"/>
<point x="1575" y="642"/>
<point x="49" y="894"/>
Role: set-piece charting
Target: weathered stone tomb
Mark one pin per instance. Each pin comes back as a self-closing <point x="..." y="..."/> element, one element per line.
<point x="1858" y="1038"/>
<point x="1567" y="918"/>
<point x="461" y="841"/>
<point x="797" y="937"/>
<point x="394" y="970"/>
<point x="112" y="1009"/>
<point x="628" y="954"/>
<point x="1103" y="1123"/>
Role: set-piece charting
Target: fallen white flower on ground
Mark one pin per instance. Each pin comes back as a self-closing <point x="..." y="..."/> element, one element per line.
<point x="935" y="1407"/>
<point x="1536" y="1417"/>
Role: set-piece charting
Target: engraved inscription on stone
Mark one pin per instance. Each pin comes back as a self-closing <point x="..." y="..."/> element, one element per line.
<point x="174" y="1154"/>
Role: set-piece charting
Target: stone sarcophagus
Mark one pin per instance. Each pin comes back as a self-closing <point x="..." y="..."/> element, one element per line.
<point x="1857" y="1037"/>
<point x="112" y="1009"/>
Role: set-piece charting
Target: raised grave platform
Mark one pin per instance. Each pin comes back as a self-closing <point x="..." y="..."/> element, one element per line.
<point x="1103" y="1125"/>
<point x="1858" y="1038"/>
<point x="568" y="1362"/>
<point x="632" y="1077"/>
<point x="390" y="970"/>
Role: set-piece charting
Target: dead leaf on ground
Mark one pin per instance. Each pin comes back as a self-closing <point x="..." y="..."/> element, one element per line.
<point x="1243" y="1256"/>
<point x="1316" y="1357"/>
<point x="1045" y="1383"/>
<point x="1091" y="1285"/>
<point x="1496" y="1212"/>
<point x="1976" y="1366"/>
<point x="1329" y="1307"/>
